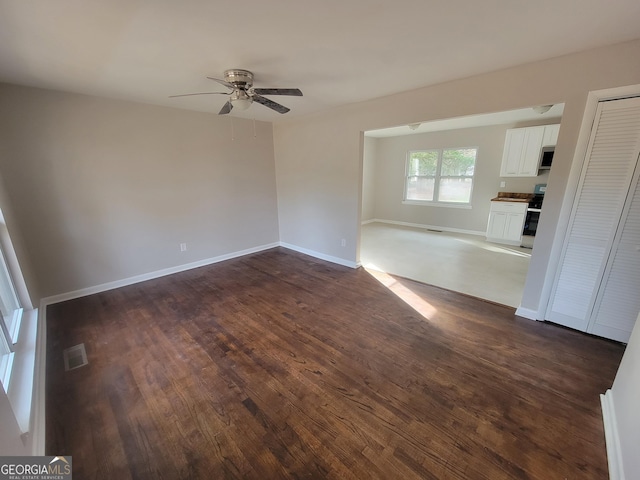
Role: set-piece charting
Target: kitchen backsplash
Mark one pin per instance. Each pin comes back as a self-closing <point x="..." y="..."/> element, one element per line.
<point x="521" y="184"/>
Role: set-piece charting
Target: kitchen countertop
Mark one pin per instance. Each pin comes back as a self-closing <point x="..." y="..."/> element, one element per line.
<point x="513" y="197"/>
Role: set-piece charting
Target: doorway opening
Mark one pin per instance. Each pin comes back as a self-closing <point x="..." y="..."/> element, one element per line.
<point x="445" y="243"/>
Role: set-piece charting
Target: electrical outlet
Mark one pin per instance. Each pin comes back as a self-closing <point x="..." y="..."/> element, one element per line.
<point x="183" y="247"/>
<point x="503" y="184"/>
<point x="343" y="242"/>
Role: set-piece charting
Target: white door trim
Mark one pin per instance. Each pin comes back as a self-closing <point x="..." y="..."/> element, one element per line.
<point x="577" y="164"/>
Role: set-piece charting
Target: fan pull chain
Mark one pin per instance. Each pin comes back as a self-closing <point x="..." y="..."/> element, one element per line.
<point x="232" y="131"/>
<point x="255" y="135"/>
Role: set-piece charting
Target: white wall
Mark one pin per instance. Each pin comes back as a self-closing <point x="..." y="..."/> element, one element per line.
<point x="10" y="440"/>
<point x="625" y="402"/>
<point x="319" y="185"/>
<point x="369" y="168"/>
<point x="105" y="190"/>
<point x="391" y="155"/>
<point x="318" y="158"/>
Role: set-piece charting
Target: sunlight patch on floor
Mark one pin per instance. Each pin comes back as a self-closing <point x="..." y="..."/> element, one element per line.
<point x="496" y="249"/>
<point x="459" y="262"/>
<point x="416" y="302"/>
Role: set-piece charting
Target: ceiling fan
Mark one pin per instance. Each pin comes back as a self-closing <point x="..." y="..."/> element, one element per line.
<point x="243" y="94"/>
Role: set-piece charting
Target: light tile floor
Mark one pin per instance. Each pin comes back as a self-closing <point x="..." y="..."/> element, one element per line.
<point x="464" y="263"/>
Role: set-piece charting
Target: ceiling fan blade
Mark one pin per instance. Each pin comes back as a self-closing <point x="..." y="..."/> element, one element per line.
<point x="294" y="92"/>
<point x="226" y="108"/>
<point x="202" y="93"/>
<point x="222" y="82"/>
<point x="271" y="104"/>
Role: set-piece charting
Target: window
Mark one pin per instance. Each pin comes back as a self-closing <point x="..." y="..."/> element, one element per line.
<point x="21" y="346"/>
<point x="440" y="176"/>
<point x="10" y="325"/>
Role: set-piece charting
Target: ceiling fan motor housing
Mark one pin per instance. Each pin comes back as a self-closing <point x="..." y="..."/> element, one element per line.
<point x="240" y="78"/>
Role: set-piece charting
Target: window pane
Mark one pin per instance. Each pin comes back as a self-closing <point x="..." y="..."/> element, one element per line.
<point x="459" y="161"/>
<point x="4" y="350"/>
<point x="9" y="308"/>
<point x="455" y="190"/>
<point x="9" y="304"/>
<point x="423" y="163"/>
<point x="420" y="188"/>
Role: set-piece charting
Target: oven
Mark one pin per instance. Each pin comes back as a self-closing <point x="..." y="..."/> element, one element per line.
<point x="533" y="215"/>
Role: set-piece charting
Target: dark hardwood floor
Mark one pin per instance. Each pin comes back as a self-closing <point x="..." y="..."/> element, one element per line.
<point x="278" y="365"/>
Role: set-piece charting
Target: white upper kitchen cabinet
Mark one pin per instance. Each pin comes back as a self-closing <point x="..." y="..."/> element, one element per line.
<point x="550" y="137"/>
<point x="522" y="147"/>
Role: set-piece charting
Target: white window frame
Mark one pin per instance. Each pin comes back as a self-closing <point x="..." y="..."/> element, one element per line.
<point x="437" y="177"/>
<point x="23" y="368"/>
<point x="9" y="326"/>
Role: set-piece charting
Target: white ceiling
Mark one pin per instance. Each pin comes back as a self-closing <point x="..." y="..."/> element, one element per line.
<point x="499" y="118"/>
<point x="335" y="51"/>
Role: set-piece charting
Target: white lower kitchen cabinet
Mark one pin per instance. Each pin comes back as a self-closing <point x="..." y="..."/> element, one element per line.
<point x="506" y="222"/>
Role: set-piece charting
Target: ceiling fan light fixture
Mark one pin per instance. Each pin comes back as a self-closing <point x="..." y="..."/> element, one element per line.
<point x="541" y="108"/>
<point x="241" y="100"/>
<point x="242" y="104"/>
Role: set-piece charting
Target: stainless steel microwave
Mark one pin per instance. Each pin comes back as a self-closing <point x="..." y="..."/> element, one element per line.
<point x="546" y="158"/>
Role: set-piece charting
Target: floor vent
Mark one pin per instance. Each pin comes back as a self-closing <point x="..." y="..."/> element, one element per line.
<point x="75" y="357"/>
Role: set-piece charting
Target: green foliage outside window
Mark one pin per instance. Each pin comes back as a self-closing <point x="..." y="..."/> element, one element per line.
<point x="441" y="175"/>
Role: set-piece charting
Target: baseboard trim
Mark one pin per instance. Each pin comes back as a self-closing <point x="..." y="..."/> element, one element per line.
<point x="614" y="454"/>
<point x="527" y="313"/>
<point x="426" y="227"/>
<point x="151" y="275"/>
<point x="83" y="292"/>
<point x="502" y="241"/>
<point x="321" y="256"/>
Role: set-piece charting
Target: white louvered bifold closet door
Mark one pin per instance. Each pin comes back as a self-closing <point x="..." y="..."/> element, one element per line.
<point x="618" y="301"/>
<point x="603" y="190"/>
